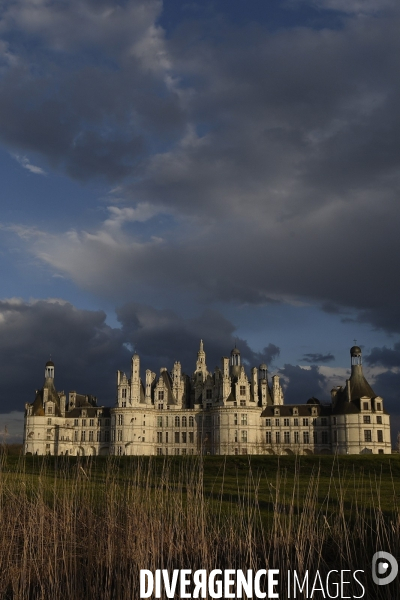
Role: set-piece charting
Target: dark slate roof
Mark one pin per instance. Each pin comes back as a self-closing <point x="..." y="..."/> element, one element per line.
<point x="359" y="386"/>
<point x="49" y="363"/>
<point x="304" y="410"/>
<point x="38" y="409"/>
<point x="91" y="412"/>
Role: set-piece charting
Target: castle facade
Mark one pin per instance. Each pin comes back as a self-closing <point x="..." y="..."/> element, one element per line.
<point x="224" y="412"/>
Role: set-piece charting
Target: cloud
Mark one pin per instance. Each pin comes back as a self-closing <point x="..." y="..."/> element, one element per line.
<point x="25" y="163"/>
<point x="386" y="357"/>
<point x="274" y="153"/>
<point x="317" y="358"/>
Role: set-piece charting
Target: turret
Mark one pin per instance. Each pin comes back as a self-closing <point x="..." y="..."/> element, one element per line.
<point x="235" y="362"/>
<point x="135" y="380"/>
<point x="49" y="370"/>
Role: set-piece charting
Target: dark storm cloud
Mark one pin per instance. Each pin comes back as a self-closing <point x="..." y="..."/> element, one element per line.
<point x="303" y="384"/>
<point x="386" y="357"/>
<point x="85" y="350"/>
<point x="161" y="337"/>
<point x="317" y="358"/>
<point x="276" y="152"/>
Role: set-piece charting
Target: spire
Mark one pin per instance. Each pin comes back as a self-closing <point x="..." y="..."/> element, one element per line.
<point x="201" y="360"/>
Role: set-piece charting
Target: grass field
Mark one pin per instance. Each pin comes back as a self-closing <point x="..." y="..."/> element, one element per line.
<point x="83" y="528"/>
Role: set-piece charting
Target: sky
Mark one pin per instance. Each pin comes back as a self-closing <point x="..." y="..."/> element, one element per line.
<point x="174" y="170"/>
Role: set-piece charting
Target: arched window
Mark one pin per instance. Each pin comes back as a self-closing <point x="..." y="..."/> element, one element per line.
<point x="176" y="421"/>
<point x="184" y="422"/>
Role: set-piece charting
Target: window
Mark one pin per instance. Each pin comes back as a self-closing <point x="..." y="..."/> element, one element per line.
<point x="159" y="421"/>
<point x="120" y="435"/>
<point x="306" y="437"/>
<point x="244" y="436"/>
<point x="379" y="420"/>
<point x="124" y="393"/>
<point x="286" y="437"/>
<point x="75" y="436"/>
<point x="236" y="451"/>
<point x="161" y="395"/>
<point x="277" y="437"/>
<point x="380" y="451"/>
<point x="296" y="437"/>
<point x="120" y="419"/>
<point x="176" y="437"/>
<point x="244" y="450"/>
<point x="367" y="419"/>
<point x="324" y="421"/>
<point x="315" y="437"/>
<point x="286" y="422"/>
<point x="378" y="406"/>
<point x="177" y="421"/>
<point x="235" y="419"/>
<point x="119" y="451"/>
<point x="208" y="421"/>
<point x="107" y="422"/>
<point x="242" y="390"/>
<point x="380" y="435"/>
<point x="305" y="422"/>
<point x="176" y="451"/>
<point x="367" y="435"/>
<point x="48" y="421"/>
<point x="268" y="422"/>
<point x="159" y="437"/>
<point x="83" y="422"/>
<point x="191" y="421"/>
<point x="276" y="422"/>
<point x="242" y="402"/>
<point x="83" y="436"/>
<point x="184" y="422"/>
<point x="236" y="436"/>
<point x="191" y="437"/>
<point x="76" y="422"/>
<point x="334" y="420"/>
<point x="324" y="437"/>
<point x="159" y="451"/>
<point x="160" y="406"/>
<point x="183" y="452"/>
<point x="209" y="394"/>
<point x="268" y="437"/>
<point x="166" y="437"/>
<point x="365" y="405"/>
<point x="98" y="422"/>
<point x="98" y="436"/>
<point x="184" y="437"/>
<point x="296" y="422"/>
<point x="106" y="436"/>
<point x="50" y="410"/>
<point x="244" y="419"/>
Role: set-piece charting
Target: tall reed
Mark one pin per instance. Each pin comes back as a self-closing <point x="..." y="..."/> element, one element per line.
<point x="83" y="529"/>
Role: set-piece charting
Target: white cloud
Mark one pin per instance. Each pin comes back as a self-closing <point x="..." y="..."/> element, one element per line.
<point x="26" y="164"/>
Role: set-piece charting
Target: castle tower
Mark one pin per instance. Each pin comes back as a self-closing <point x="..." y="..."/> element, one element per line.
<point x="135" y="380"/>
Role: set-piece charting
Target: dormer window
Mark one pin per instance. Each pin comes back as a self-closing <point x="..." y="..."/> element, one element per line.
<point x="314" y="411"/>
<point x="276" y="411"/>
<point x="365" y="405"/>
<point x="161" y="395"/>
<point x="49" y="410"/>
<point x="378" y="406"/>
<point x="295" y="411"/>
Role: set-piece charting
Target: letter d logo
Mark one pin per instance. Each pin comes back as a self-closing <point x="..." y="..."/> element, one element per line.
<point x="384" y="568"/>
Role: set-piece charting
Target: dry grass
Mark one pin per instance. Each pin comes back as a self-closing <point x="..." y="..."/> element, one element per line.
<point x="80" y="531"/>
